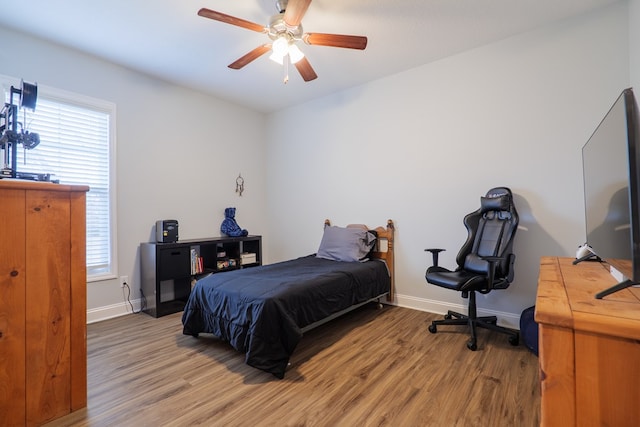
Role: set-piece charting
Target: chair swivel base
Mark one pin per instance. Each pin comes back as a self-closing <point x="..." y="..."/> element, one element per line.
<point x="487" y="322"/>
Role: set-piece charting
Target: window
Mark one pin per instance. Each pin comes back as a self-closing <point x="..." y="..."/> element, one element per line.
<point x="77" y="147"/>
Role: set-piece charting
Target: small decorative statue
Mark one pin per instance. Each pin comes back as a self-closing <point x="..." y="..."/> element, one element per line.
<point x="229" y="225"/>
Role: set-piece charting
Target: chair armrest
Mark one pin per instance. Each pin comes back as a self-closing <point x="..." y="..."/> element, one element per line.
<point x="492" y="260"/>
<point x="434" y="254"/>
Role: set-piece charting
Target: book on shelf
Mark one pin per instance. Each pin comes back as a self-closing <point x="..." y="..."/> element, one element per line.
<point x="197" y="262"/>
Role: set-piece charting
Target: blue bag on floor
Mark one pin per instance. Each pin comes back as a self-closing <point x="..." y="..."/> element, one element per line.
<point x="529" y="329"/>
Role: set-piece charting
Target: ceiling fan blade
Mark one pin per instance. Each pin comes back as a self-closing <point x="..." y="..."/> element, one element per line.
<point x="251" y="56"/>
<point x="294" y="12"/>
<point x="335" y="40"/>
<point x="305" y="70"/>
<point x="228" y="19"/>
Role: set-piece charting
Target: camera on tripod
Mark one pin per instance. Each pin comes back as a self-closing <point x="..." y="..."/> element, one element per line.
<point x="13" y="132"/>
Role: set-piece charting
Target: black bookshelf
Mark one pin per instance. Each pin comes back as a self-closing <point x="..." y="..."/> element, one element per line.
<point x="169" y="270"/>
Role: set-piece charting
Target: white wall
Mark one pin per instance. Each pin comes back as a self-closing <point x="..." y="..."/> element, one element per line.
<point x="178" y="153"/>
<point x="419" y="147"/>
<point x="422" y="146"/>
<point x="634" y="45"/>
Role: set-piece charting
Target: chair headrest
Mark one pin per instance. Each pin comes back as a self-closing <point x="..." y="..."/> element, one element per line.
<point x="497" y="199"/>
<point x="498" y="191"/>
<point x="494" y="203"/>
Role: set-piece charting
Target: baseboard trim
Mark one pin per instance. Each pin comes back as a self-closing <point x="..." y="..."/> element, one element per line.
<point x="508" y="320"/>
<point x="110" y="311"/>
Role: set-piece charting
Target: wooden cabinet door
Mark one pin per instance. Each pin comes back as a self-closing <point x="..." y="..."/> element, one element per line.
<point x="48" y="295"/>
<point x="12" y="307"/>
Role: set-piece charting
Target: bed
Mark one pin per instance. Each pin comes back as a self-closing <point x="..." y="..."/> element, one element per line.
<point x="264" y="311"/>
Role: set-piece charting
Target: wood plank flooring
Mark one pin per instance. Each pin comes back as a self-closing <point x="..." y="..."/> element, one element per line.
<point x="370" y="367"/>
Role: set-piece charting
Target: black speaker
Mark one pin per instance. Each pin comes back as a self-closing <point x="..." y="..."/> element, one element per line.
<point x="166" y="231"/>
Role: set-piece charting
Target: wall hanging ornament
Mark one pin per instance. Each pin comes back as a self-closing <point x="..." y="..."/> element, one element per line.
<point x="239" y="185"/>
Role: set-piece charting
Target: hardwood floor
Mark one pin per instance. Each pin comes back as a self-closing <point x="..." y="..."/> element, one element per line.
<point x="370" y="367"/>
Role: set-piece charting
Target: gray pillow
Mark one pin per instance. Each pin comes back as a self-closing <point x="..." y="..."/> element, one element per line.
<point x="345" y="244"/>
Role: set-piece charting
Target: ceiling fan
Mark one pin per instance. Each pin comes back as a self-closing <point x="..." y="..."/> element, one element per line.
<point x="285" y="30"/>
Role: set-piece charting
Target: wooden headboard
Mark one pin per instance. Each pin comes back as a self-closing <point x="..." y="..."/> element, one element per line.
<point x="383" y="248"/>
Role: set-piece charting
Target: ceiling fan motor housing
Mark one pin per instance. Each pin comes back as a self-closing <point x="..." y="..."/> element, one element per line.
<point x="277" y="28"/>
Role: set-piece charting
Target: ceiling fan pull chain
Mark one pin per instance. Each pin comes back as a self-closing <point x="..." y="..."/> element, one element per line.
<point x="285" y="63"/>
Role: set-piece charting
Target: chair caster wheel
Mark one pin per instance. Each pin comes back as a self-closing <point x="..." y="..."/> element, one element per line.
<point x="447" y="316"/>
<point x="471" y="345"/>
<point x="514" y="341"/>
<point x="433" y="329"/>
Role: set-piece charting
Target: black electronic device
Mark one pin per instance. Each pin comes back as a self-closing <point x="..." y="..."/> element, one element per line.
<point x="611" y="167"/>
<point x="167" y="231"/>
<point x="34" y="176"/>
<point x="10" y="136"/>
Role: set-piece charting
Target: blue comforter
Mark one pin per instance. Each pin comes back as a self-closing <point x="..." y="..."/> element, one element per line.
<point x="260" y="311"/>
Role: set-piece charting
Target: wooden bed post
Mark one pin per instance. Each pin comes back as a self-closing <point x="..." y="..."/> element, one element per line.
<point x="390" y="259"/>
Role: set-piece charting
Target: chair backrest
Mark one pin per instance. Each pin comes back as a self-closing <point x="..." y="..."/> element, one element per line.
<point x="491" y="231"/>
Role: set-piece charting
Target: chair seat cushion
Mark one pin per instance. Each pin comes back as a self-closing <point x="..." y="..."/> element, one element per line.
<point x="456" y="280"/>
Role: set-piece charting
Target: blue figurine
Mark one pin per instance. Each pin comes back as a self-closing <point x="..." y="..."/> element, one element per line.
<point x="229" y="225"/>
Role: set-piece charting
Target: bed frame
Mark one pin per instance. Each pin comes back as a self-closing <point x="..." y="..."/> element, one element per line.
<point x="383" y="250"/>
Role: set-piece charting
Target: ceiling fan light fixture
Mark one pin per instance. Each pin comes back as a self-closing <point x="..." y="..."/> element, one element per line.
<point x="295" y="54"/>
<point x="280" y="46"/>
<point x="278" y="59"/>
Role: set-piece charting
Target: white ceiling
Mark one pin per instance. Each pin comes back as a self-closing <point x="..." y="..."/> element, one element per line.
<point x="166" y="38"/>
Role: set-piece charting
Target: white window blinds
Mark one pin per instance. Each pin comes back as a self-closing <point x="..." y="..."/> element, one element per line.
<point x="75" y="148"/>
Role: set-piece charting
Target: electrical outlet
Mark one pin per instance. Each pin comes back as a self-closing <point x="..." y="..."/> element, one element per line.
<point x="124" y="280"/>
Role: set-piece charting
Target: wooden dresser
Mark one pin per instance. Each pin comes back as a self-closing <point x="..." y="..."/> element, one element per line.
<point x="43" y="351"/>
<point x="589" y="348"/>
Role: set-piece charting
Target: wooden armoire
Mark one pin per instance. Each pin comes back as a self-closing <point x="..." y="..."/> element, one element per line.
<point x="43" y="350"/>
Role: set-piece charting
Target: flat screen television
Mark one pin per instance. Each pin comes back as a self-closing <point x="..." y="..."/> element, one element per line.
<point x="611" y="168"/>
